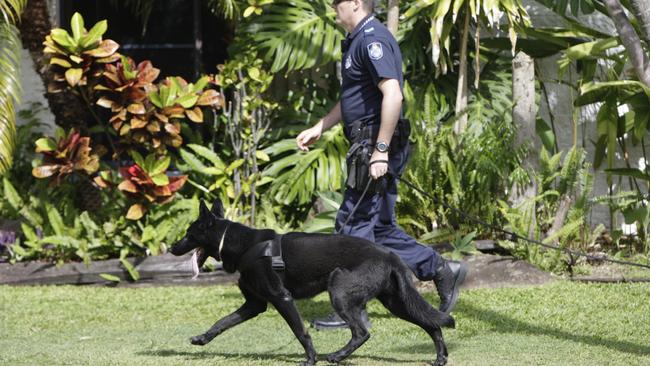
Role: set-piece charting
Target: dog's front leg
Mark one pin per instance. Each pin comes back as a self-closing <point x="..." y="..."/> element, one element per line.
<point x="251" y="308"/>
<point x="287" y="308"/>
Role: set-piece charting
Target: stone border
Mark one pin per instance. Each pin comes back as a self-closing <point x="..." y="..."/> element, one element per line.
<point x="164" y="269"/>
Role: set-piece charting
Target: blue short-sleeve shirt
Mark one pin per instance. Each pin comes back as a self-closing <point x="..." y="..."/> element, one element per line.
<point x="370" y="54"/>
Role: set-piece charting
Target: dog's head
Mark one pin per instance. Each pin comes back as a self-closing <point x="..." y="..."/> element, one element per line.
<point x="204" y="234"/>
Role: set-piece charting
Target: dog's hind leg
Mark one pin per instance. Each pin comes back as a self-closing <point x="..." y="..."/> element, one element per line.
<point x="251" y="308"/>
<point x="349" y="294"/>
<point x="403" y="300"/>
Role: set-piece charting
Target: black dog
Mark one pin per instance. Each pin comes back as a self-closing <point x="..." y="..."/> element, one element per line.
<point x="351" y="269"/>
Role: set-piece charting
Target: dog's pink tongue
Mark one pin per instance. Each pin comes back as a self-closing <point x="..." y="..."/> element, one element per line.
<point x="195" y="264"/>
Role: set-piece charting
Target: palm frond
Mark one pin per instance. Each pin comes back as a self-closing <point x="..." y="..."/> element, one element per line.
<point x="298" y="176"/>
<point x="229" y="9"/>
<point x="10" y="54"/>
<point x="297" y="34"/>
<point x="11" y="10"/>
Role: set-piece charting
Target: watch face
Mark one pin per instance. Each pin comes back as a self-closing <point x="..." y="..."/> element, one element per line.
<point x="382" y="146"/>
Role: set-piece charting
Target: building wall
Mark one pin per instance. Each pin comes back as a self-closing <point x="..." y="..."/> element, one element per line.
<point x="560" y="104"/>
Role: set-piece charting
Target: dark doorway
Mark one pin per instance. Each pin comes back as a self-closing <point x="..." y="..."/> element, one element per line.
<point x="180" y="37"/>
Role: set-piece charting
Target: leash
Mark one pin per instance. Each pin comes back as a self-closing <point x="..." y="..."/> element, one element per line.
<point x="514" y="236"/>
<point x="365" y="190"/>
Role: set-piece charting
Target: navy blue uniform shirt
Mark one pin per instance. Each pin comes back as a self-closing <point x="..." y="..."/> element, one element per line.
<point x="370" y="54"/>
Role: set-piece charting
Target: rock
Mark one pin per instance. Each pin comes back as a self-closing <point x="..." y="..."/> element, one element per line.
<point x="493" y="271"/>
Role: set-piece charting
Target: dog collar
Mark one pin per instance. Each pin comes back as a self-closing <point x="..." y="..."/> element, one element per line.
<point x="222" y="240"/>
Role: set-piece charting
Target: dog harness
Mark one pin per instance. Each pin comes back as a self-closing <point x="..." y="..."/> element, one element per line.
<point x="269" y="248"/>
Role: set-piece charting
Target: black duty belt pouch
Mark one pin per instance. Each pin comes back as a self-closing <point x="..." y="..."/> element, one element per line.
<point x="363" y="135"/>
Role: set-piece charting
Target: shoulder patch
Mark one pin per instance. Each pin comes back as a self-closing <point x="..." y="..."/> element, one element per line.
<point x="375" y="51"/>
<point x="371" y="29"/>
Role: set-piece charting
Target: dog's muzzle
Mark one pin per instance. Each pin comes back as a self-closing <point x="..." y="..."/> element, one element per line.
<point x="181" y="247"/>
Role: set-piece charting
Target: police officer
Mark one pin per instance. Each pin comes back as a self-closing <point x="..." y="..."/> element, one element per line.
<point x="371" y="92"/>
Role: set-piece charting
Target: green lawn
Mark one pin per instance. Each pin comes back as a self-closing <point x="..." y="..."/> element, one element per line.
<point x="558" y="324"/>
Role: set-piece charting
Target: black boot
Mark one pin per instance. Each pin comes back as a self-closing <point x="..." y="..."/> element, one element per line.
<point x="449" y="276"/>
<point x="334" y="321"/>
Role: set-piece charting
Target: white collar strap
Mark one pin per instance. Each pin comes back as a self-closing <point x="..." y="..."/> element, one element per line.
<point x="221" y="242"/>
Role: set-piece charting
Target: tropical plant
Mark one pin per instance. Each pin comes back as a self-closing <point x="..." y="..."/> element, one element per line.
<point x="71" y="152"/>
<point x="295" y="34"/>
<point x="78" y="59"/>
<point x="10" y="54"/>
<point x="324" y="220"/>
<point x="125" y="83"/>
<point x="561" y="208"/>
<point x="622" y="96"/>
<point x="468" y="171"/>
<point x="463" y="245"/>
<point x="443" y="16"/>
<point x="298" y="176"/>
<point x="247" y="119"/>
<point x="150" y="114"/>
<point x="147" y="183"/>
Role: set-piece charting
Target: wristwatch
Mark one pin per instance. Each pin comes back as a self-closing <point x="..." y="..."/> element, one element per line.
<point x="381" y="146"/>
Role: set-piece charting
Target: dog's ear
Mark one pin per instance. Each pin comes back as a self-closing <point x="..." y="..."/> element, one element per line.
<point x="203" y="209"/>
<point x="217" y="208"/>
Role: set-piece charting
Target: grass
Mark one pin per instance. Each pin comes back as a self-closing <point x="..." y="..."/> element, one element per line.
<point x="558" y="324"/>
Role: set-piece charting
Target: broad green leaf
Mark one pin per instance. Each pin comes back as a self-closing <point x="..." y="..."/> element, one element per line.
<point x="137" y="158"/>
<point x="55" y="220"/>
<point x="546" y="134"/>
<point x="160" y="179"/>
<point x="129" y="267"/>
<point x="109" y="277"/>
<point x="630" y="172"/>
<point x="45" y="144"/>
<point x="234" y="165"/>
<point x="261" y="155"/>
<point x="187" y="101"/>
<point x="77" y="25"/>
<point x="12" y="195"/>
<point x="94" y="36"/>
<point x="161" y="165"/>
<point x="208" y="154"/>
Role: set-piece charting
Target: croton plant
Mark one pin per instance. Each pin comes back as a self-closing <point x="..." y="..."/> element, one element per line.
<point x="72" y="152"/>
<point x="151" y="114"/>
<point x="146" y="182"/>
<point x="77" y="58"/>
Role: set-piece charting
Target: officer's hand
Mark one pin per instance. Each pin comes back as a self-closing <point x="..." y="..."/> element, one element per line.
<point x="308" y="137"/>
<point x="377" y="170"/>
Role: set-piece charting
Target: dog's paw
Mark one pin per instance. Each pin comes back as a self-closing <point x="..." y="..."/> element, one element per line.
<point x="440" y="361"/>
<point x="335" y="357"/>
<point x="200" y="340"/>
<point x="307" y="363"/>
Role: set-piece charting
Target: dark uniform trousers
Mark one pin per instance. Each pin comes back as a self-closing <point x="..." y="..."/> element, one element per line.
<point x="375" y="220"/>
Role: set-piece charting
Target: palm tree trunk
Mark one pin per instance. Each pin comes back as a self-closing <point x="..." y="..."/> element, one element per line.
<point x="524" y="110"/>
<point x="461" y="96"/>
<point x="641" y="10"/>
<point x="630" y="40"/>
<point x="393" y="16"/>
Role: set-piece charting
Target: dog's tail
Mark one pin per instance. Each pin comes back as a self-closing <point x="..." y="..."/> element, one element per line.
<point x="414" y="301"/>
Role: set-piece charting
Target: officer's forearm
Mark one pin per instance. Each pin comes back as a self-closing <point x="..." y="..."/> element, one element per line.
<point x="391" y="108"/>
<point x="332" y="118"/>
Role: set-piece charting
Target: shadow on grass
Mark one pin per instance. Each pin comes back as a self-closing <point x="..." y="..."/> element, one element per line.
<point x="506" y="324"/>
<point x="294" y="358"/>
